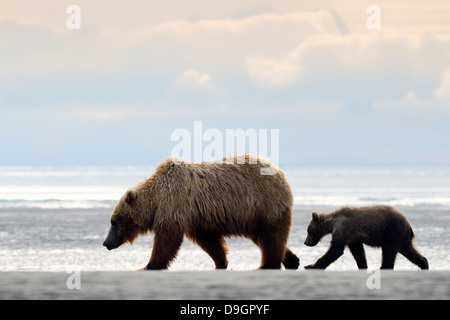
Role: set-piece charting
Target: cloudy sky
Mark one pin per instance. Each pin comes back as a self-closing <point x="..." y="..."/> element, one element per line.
<point x="113" y="91"/>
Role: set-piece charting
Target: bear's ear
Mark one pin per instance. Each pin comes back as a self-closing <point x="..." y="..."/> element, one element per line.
<point x="315" y="216"/>
<point x="130" y="197"/>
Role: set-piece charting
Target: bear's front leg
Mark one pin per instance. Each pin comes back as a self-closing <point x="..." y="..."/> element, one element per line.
<point x="165" y="248"/>
<point x="333" y="253"/>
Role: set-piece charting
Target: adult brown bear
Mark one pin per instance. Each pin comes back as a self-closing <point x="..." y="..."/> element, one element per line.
<point x="377" y="226"/>
<point x="206" y="202"/>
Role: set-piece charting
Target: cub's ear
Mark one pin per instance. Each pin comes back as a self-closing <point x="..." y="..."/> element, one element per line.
<point x="130" y="197"/>
<point x="315" y="216"/>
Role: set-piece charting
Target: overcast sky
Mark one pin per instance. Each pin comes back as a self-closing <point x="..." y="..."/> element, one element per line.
<point x="112" y="92"/>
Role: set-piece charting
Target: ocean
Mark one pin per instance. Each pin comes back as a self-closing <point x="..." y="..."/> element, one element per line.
<point x="55" y="219"/>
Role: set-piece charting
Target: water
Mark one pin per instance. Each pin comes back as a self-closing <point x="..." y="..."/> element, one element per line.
<point x="55" y="219"/>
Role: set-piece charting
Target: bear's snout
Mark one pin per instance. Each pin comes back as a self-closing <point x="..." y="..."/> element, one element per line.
<point x="113" y="244"/>
<point x="105" y="244"/>
<point x="310" y="242"/>
<point x="113" y="240"/>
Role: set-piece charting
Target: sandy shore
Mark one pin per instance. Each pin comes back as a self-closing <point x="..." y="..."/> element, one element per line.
<point x="262" y="285"/>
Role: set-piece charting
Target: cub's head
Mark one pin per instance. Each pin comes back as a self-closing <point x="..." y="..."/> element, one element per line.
<point x="123" y="229"/>
<point x="317" y="229"/>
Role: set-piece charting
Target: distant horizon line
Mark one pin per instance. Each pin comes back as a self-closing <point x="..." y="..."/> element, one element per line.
<point x="303" y="165"/>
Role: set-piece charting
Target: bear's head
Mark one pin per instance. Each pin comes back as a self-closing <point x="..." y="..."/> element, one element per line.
<point x="317" y="229"/>
<point x="123" y="225"/>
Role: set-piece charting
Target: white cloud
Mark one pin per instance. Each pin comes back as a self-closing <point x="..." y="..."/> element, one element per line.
<point x="193" y="81"/>
<point x="219" y="43"/>
<point x="191" y="76"/>
<point x="443" y="91"/>
<point x="410" y="96"/>
<point x="305" y="53"/>
<point x="270" y="72"/>
<point x="376" y="66"/>
<point x="309" y="22"/>
<point x="408" y="16"/>
<point x="102" y="115"/>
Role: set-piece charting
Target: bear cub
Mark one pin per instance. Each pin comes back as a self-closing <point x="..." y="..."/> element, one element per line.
<point x="376" y="226"/>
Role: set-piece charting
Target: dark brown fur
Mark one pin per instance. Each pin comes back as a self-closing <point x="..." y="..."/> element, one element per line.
<point x="377" y="226"/>
<point x="207" y="202"/>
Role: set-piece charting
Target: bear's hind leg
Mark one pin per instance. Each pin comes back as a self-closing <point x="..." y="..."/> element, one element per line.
<point x="271" y="237"/>
<point x="290" y="261"/>
<point x="359" y="254"/>
<point x="272" y="251"/>
<point x="414" y="256"/>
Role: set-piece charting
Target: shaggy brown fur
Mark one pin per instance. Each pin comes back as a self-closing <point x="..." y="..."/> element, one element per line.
<point x="206" y="202"/>
<point x="377" y="226"/>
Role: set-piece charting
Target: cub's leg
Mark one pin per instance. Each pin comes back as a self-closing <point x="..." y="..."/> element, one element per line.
<point x="334" y="252"/>
<point x="359" y="254"/>
<point x="414" y="256"/>
<point x="389" y="253"/>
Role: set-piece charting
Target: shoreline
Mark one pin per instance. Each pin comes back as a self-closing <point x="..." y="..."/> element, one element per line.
<point x="76" y="238"/>
<point x="225" y="285"/>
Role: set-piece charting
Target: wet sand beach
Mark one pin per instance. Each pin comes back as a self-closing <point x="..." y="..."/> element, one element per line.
<point x="229" y="285"/>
